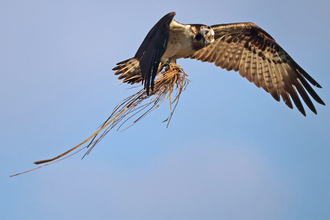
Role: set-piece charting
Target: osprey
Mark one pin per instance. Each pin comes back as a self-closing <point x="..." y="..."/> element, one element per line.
<point x="242" y="47"/>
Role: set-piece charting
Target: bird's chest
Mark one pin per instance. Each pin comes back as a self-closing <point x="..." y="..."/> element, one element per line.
<point x="178" y="46"/>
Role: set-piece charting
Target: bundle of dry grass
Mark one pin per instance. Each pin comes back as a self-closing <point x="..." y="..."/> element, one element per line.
<point x="170" y="83"/>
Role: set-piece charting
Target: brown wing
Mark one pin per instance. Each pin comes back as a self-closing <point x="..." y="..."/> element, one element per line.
<point x="246" y="48"/>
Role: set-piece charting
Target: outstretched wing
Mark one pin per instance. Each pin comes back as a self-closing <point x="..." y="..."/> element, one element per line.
<point x="247" y="48"/>
<point x="152" y="49"/>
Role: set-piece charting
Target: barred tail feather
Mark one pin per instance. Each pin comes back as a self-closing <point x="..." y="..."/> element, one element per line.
<point x="129" y="70"/>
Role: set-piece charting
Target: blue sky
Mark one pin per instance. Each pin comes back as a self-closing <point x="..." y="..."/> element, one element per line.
<point x="230" y="152"/>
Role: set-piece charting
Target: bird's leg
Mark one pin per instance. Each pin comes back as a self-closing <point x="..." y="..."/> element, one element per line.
<point x="171" y="64"/>
<point x="167" y="65"/>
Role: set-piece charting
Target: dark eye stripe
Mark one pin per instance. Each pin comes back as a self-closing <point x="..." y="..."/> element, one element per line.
<point x="198" y="37"/>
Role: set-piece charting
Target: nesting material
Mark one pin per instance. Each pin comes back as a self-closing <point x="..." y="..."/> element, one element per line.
<point x="169" y="84"/>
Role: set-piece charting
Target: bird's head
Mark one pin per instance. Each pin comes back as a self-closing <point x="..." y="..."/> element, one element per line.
<point x="204" y="37"/>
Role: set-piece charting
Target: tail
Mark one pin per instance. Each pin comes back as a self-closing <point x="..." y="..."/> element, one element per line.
<point x="129" y="70"/>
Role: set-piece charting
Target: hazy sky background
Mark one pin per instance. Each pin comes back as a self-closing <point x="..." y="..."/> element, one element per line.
<point x="230" y="152"/>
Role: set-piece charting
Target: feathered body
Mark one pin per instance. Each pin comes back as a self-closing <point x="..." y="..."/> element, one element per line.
<point x="242" y="47"/>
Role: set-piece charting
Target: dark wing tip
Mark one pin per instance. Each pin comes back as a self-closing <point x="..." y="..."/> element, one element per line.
<point x="321" y="102"/>
<point x="318" y="86"/>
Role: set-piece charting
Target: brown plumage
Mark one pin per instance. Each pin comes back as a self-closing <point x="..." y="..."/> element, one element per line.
<point x="246" y="48"/>
<point x="242" y="47"/>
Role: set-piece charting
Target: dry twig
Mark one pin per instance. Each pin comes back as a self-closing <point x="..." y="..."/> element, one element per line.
<point x="169" y="85"/>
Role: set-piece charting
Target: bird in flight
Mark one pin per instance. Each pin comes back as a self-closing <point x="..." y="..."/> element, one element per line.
<point x="242" y="47"/>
